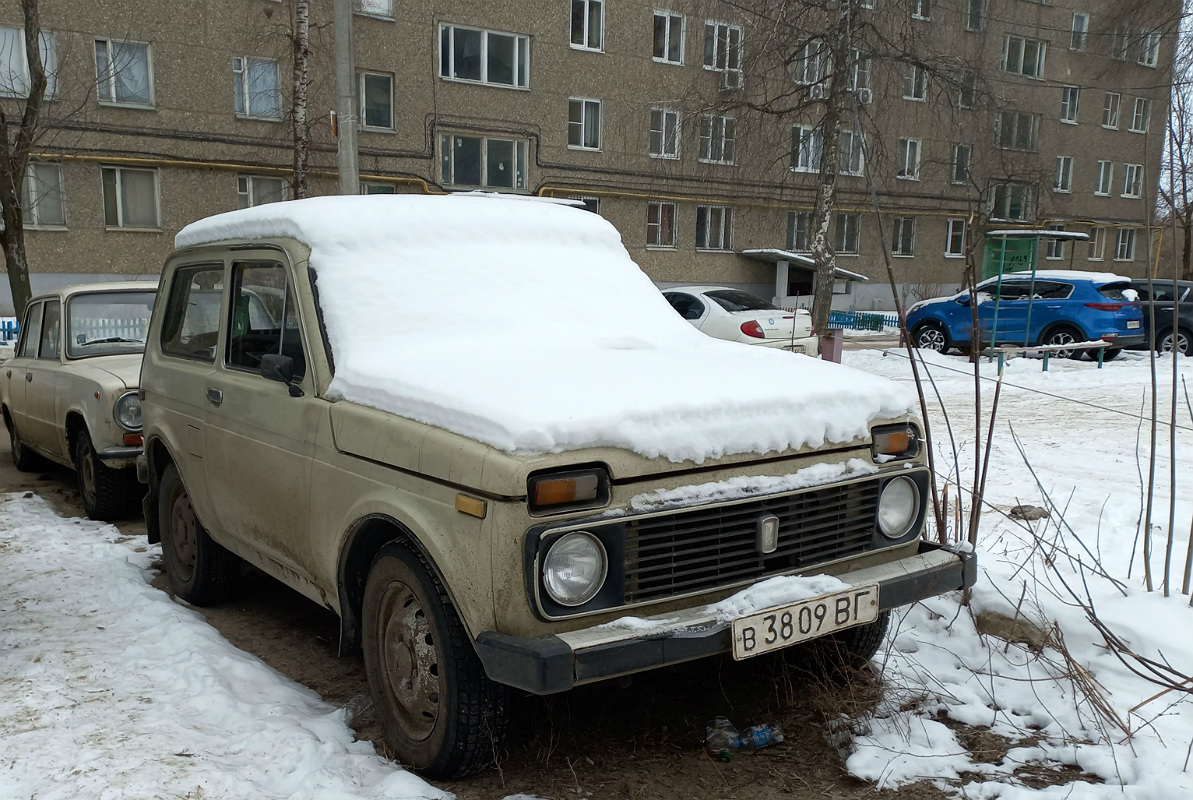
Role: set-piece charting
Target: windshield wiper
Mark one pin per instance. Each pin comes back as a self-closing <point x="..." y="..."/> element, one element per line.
<point x="112" y="339"/>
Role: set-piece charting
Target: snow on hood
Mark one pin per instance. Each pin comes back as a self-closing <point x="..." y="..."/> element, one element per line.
<point x="525" y="325"/>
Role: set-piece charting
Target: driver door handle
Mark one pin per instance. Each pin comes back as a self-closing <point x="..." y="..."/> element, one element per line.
<point x="214" y="396"/>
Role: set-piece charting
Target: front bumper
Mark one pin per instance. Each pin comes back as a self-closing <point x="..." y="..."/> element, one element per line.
<point x="556" y="663"/>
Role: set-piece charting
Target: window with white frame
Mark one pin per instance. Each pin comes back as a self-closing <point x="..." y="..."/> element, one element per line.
<point x="124" y="73"/>
<point x="131" y="198"/>
<point x="668" y="37"/>
<point x="1110" y="110"/>
<point x="255" y="82"/>
<point x="664" y="133"/>
<point x="904" y="241"/>
<point x="257" y="190"/>
<point x="482" y="161"/>
<point x="44" y="198"/>
<point x="1018" y="130"/>
<point x="810" y="63"/>
<point x="718" y="139"/>
<point x="14" y="63"/>
<point x="921" y="9"/>
<point x="584" y="124"/>
<point x="722" y="46"/>
<point x="1064" y="174"/>
<point x="868" y="4"/>
<point x="1149" y="48"/>
<point x="1097" y="243"/>
<point x="714" y="228"/>
<point x="915" y="83"/>
<point x="1141" y="115"/>
<point x="847" y="234"/>
<point x="807" y="145"/>
<point x="849" y="153"/>
<point x="588" y="24"/>
<point x="1132" y="180"/>
<point x="1105" y="177"/>
<point x="954" y="239"/>
<point x="660" y="224"/>
<point x="1125" y="246"/>
<point x="859" y="75"/>
<point x="967" y="94"/>
<point x="799" y="231"/>
<point x="1010" y="201"/>
<point x="484" y="56"/>
<point x="1070" y="97"/>
<point x="376" y="100"/>
<point x="1120" y="43"/>
<point x="975" y="15"/>
<point x="374" y="8"/>
<point x="1079" y="33"/>
<point x="959" y="169"/>
<point x="1023" y="56"/>
<point x="909" y="160"/>
<point x="1055" y="250"/>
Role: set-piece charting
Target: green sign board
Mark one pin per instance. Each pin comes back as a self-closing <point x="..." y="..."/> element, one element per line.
<point x="1008" y="255"/>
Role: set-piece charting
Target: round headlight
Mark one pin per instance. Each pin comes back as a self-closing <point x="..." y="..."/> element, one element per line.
<point x="127" y="411"/>
<point x="897" y="507"/>
<point x="574" y="569"/>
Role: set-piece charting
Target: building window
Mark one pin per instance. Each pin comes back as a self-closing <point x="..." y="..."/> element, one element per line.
<point x="1105" y="177"/>
<point x="257" y="190"/>
<point x="1023" y="56"/>
<point x="921" y="9"/>
<point x="722" y="46"/>
<point x="714" y="228"/>
<point x="1120" y="44"/>
<point x="1064" y="174"/>
<point x="1018" y="131"/>
<point x="909" y="159"/>
<point x="1132" y="180"/>
<point x="1055" y="247"/>
<point x="482" y="161"/>
<point x="1141" y="116"/>
<point x="1010" y="201"/>
<point x="124" y="73"/>
<point x="1149" y="48"/>
<point x="1097" y="243"/>
<point x="975" y="15"/>
<point x="845" y="241"/>
<point x="376" y="100"/>
<point x="807" y="145"/>
<point x="959" y="173"/>
<point x="378" y="188"/>
<point x="660" y="224"/>
<point x="584" y="124"/>
<point x="849" y="153"/>
<point x="131" y="198"/>
<point x="904" y="242"/>
<point x="588" y="24"/>
<point x="664" y="133"/>
<point x="809" y="67"/>
<point x="1110" y="111"/>
<point x="14" y="66"/>
<point x="1069" y="99"/>
<point x="954" y="241"/>
<point x="482" y="56"/>
<point x="1125" y="249"/>
<point x="859" y="75"/>
<point x="374" y="8"/>
<point x="1080" y="32"/>
<point x="967" y="95"/>
<point x="255" y="81"/>
<point x="799" y="231"/>
<point x="915" y="83"/>
<point x="718" y="139"/>
<point x="668" y="37"/>
<point x="44" y="200"/>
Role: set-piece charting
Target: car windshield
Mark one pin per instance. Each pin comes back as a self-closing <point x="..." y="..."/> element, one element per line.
<point x="737" y="300"/>
<point x="108" y="323"/>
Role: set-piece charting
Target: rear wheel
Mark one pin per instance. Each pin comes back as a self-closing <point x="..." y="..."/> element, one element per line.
<point x="1062" y="336"/>
<point x="104" y="490"/>
<point x="23" y="458"/>
<point x="201" y="572"/>
<point x="932" y="336"/>
<point x="1178" y="340"/>
<point x="1109" y="354"/>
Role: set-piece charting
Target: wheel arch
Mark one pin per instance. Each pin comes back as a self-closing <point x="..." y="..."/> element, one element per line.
<point x="159" y="457"/>
<point x="1056" y="325"/>
<point x="75" y="423"/>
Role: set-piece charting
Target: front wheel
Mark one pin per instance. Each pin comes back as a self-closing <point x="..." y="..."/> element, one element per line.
<point x="201" y="572"/>
<point x="440" y="712"/>
<point x="932" y="336"/>
<point x="104" y="490"/>
<point x="1175" y="341"/>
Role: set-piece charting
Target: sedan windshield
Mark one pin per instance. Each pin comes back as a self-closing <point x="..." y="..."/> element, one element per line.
<point x="737" y="300"/>
<point x="108" y="323"/>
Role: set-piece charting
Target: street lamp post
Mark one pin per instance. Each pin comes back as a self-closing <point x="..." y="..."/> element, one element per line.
<point x="346" y="99"/>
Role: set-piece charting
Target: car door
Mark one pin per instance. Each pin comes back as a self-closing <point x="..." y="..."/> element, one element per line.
<point x="259" y="439"/>
<point x="16" y="371"/>
<point x="1004" y="317"/>
<point x="41" y="429"/>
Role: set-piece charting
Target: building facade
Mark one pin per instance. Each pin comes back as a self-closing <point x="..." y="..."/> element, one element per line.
<point x="661" y="117"/>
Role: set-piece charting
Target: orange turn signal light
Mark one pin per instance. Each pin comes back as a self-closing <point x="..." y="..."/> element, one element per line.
<point x="134" y="439"/>
<point x="896" y="442"/>
<point x="572" y="489"/>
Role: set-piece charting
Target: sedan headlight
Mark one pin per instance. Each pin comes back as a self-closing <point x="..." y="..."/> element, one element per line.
<point x="575" y="568"/>
<point x="127" y="411"/>
<point x="898" y="506"/>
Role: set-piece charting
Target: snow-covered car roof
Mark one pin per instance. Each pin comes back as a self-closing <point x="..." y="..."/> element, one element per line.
<point x="1097" y="278"/>
<point x="527" y="326"/>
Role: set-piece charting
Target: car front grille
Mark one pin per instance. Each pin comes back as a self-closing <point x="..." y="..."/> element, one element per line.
<point x="701" y="549"/>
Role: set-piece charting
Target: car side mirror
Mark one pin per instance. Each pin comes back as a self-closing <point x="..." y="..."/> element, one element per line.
<point x="281" y="369"/>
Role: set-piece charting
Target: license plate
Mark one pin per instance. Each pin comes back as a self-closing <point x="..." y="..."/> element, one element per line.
<point x="783" y="626"/>
<point x="796" y="348"/>
<point x="1132" y="323"/>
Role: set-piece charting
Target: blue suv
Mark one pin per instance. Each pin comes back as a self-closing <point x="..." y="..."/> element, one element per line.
<point x="1065" y="307"/>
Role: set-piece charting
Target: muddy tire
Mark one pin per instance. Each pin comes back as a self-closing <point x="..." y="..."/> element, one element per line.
<point x="103" y="490"/>
<point x="201" y="572"/>
<point x="23" y="458"/>
<point x="440" y="712"/>
<point x="847" y="651"/>
<point x="931" y="336"/>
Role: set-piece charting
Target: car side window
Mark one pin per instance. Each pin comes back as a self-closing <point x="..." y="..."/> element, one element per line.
<point x="191" y="323"/>
<point x="687" y="305"/>
<point x="1052" y="290"/>
<point x="31" y="331"/>
<point x="264" y="318"/>
<point x="51" y="332"/>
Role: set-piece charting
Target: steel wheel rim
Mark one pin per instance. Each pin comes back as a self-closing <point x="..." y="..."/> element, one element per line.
<point x="184" y="535"/>
<point x="409" y="663"/>
<point x="1062" y="338"/>
<point x="931" y="339"/>
<point x="87" y="474"/>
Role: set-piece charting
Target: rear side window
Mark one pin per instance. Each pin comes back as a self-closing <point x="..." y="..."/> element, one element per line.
<point x="1052" y="290"/>
<point x="687" y="306"/>
<point x="264" y="318"/>
<point x="1114" y="291"/>
<point x="191" y="324"/>
<point x="31" y="331"/>
<point x="51" y="331"/>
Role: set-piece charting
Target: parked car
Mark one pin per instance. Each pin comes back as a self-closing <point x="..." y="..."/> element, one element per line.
<point x="480" y="503"/>
<point x="70" y="394"/>
<point x="1171" y="333"/>
<point x="1053" y="307"/>
<point x="738" y="316"/>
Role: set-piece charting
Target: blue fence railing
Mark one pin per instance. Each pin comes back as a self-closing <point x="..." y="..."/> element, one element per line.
<point x="862" y="321"/>
<point x="9" y="328"/>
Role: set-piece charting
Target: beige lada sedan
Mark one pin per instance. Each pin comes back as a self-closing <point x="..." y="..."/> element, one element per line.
<point x="363" y="397"/>
<point x="70" y="393"/>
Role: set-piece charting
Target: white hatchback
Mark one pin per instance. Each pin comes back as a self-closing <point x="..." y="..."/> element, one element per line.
<point x="738" y="316"/>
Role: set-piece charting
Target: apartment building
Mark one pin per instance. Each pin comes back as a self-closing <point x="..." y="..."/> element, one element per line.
<point x="646" y="112"/>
